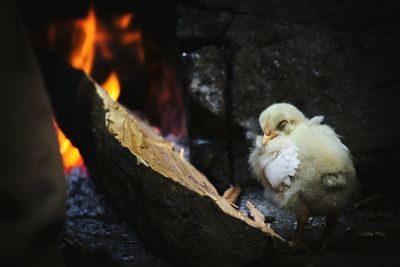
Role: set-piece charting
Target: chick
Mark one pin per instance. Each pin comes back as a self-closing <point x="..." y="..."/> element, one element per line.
<point x="304" y="167"/>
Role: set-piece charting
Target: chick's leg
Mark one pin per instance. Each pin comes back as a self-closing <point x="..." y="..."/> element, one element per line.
<point x="302" y="215"/>
<point x="331" y="222"/>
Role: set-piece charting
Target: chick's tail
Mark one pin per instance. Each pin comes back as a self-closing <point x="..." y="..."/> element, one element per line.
<point x="333" y="181"/>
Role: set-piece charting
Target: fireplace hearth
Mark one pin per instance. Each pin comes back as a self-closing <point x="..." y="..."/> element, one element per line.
<point x="156" y="105"/>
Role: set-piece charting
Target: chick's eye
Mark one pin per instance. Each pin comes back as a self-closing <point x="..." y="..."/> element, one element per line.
<point x="281" y="125"/>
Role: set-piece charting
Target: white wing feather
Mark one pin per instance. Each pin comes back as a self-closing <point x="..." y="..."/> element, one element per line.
<point x="316" y="120"/>
<point x="279" y="161"/>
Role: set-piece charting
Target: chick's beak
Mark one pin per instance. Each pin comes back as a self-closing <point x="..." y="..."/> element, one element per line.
<point x="268" y="135"/>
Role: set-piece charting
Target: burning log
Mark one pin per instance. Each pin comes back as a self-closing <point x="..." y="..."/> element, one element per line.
<point x="176" y="209"/>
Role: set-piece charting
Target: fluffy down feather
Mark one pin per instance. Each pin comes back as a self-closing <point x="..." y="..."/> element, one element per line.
<point x="278" y="160"/>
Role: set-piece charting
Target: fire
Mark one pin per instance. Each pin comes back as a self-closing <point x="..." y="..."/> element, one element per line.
<point x="70" y="154"/>
<point x="111" y="85"/>
<point x="123" y="21"/>
<point x="86" y="35"/>
<point x="83" y="54"/>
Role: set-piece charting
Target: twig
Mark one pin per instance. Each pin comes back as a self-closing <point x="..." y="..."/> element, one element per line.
<point x="258" y="217"/>
<point x="232" y="194"/>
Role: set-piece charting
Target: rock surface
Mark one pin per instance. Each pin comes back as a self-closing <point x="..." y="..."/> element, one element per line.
<point x="328" y="58"/>
<point x="206" y="80"/>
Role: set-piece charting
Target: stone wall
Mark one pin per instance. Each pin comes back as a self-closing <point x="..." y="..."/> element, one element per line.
<point x="339" y="59"/>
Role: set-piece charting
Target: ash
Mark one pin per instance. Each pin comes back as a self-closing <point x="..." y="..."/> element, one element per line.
<point x="97" y="227"/>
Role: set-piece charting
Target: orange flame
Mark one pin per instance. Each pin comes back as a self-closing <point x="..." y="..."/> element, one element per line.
<point x="70" y="154"/>
<point x="86" y="34"/>
<point x="81" y="57"/>
<point x="123" y="21"/>
<point x="111" y="85"/>
<point x="132" y="37"/>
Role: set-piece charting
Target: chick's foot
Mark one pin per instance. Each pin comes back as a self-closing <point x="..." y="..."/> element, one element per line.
<point x="297" y="243"/>
<point x="331" y="222"/>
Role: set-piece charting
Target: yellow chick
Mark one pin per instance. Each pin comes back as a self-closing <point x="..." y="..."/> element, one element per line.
<point x="304" y="167"/>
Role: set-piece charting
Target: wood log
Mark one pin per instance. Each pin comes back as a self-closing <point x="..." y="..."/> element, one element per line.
<point x="176" y="209"/>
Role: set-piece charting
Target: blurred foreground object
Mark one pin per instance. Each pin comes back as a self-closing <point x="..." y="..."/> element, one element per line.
<point x="32" y="183"/>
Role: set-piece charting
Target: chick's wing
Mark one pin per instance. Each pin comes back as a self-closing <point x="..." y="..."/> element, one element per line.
<point x="279" y="161"/>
